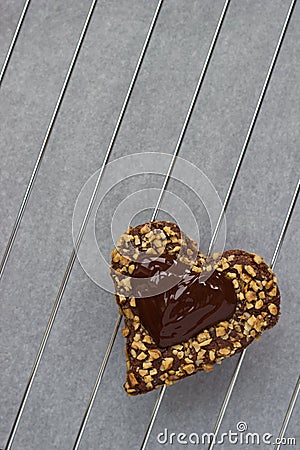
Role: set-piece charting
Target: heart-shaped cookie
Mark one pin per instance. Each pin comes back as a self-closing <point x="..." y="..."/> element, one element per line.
<point x="183" y="311"/>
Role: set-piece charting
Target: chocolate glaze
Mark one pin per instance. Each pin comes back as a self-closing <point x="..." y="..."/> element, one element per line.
<point x="188" y="302"/>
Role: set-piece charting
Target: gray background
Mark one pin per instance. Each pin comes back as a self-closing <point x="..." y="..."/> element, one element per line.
<point x="153" y="120"/>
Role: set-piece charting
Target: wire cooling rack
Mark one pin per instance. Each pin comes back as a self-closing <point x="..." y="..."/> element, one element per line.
<point x="236" y="167"/>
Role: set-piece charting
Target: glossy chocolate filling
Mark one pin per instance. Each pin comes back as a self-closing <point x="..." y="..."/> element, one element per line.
<point x="188" y="303"/>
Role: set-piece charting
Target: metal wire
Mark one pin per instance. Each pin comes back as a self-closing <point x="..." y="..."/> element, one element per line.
<point x="254" y="118"/>
<point x="14" y="40"/>
<point x="283" y="230"/>
<point x="82" y="228"/>
<point x="153" y="416"/>
<point x="45" y="141"/>
<point x="166" y="179"/>
<point x="225" y="204"/>
<point x="241" y="358"/>
<point x="288" y="415"/>
<point x="96" y="385"/>
<point x="192" y="105"/>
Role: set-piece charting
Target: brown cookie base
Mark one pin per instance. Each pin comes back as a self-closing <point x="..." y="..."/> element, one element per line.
<point x="148" y="366"/>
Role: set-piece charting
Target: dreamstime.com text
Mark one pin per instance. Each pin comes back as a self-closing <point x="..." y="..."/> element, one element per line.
<point x="240" y="436"/>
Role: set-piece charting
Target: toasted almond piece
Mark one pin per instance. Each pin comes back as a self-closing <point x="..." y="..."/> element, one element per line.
<point x="178" y="347"/>
<point x="235" y="283"/>
<point x="189" y="368"/>
<point x="224" y="351"/>
<point x="155" y="353"/>
<point x="141" y="356"/>
<point x="200" y="354"/>
<point x="132" y="380"/>
<point x="167" y="363"/>
<point x="164" y="376"/>
<point x="258" y="259"/>
<point x="254" y="286"/>
<point x="130" y="391"/>
<point x="131" y="268"/>
<point x="147" y="365"/>
<point x="251" y="321"/>
<point x="273" y="292"/>
<point x="116" y="258"/>
<point x="124" y="261"/>
<point x="231" y="275"/>
<point x="237" y="344"/>
<point x="224" y="324"/>
<point x="208" y="341"/>
<point x="132" y="302"/>
<point x="250" y="270"/>
<point x="128" y="313"/>
<point x="245" y="277"/>
<point x="203" y="336"/>
<point x="220" y="331"/>
<point x="269" y="284"/>
<point x="258" y="325"/>
<point x="238" y="267"/>
<point x="147" y="339"/>
<point x="169" y="231"/>
<point x="196" y="345"/>
<point x="273" y="309"/>
<point x="122" y="298"/>
<point x="125" y="331"/>
<point x="212" y="355"/>
<point x="148" y="379"/>
<point x="145" y="229"/>
<point x="138" y="345"/>
<point x="259" y="304"/>
<point x="250" y="295"/>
